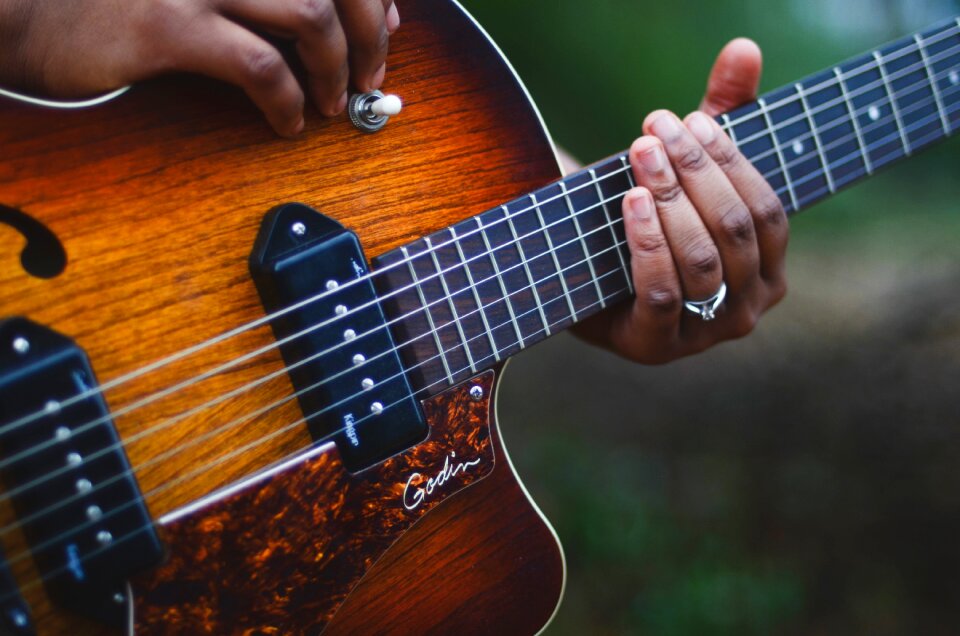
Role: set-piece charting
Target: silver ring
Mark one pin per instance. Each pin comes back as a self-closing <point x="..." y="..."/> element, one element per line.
<point x="707" y="309"/>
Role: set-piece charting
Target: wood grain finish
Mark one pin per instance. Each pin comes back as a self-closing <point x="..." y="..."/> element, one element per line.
<point x="157" y="198"/>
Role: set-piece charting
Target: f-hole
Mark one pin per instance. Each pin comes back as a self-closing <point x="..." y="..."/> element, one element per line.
<point x="43" y="256"/>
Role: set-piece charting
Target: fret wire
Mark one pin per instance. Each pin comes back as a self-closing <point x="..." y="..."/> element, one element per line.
<point x="503" y="287"/>
<point x="426" y="310"/>
<point x="893" y="102"/>
<point x="624" y="160"/>
<point x="606" y="214"/>
<point x="476" y="294"/>
<point x="730" y="131"/>
<point x="553" y="253"/>
<point x="625" y="163"/>
<point x="583" y="243"/>
<point x="453" y="308"/>
<point x="776" y="145"/>
<point x="816" y="138"/>
<point x="933" y="83"/>
<point x="526" y="268"/>
<point x="867" y="162"/>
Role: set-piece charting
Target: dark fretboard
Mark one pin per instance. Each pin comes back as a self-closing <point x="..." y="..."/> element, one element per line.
<point x="466" y="297"/>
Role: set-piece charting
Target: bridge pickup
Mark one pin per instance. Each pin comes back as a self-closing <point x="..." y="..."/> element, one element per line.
<point x="339" y="352"/>
<point x="67" y="475"/>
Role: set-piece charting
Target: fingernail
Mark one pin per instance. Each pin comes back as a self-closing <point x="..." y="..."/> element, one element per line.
<point x="298" y="128"/>
<point x="378" y="76"/>
<point x="702" y="128"/>
<point x="652" y="160"/>
<point x="666" y="127"/>
<point x="393" y="19"/>
<point x="642" y="206"/>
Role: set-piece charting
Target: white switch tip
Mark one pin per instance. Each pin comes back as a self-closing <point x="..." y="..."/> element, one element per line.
<point x="386" y="106"/>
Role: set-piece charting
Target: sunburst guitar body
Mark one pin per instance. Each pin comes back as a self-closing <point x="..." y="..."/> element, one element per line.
<point x="126" y="235"/>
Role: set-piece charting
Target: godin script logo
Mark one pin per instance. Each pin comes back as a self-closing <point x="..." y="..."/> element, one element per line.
<point x="413" y="496"/>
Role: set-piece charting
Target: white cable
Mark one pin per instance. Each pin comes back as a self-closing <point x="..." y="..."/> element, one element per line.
<point x="63" y="104"/>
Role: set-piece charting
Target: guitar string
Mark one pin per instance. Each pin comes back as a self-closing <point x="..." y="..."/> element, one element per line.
<point x="235" y="392"/>
<point x="255" y="443"/>
<point x="868" y="66"/>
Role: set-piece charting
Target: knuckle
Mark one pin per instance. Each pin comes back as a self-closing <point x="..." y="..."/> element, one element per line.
<point x="778" y="291"/>
<point x="319" y="15"/>
<point x="663" y="300"/>
<point x="736" y="224"/>
<point x="743" y="324"/>
<point x="770" y="211"/>
<point x="649" y="243"/>
<point x="728" y="156"/>
<point x="263" y="65"/>
<point x="667" y="193"/>
<point x="692" y="159"/>
<point x="703" y="259"/>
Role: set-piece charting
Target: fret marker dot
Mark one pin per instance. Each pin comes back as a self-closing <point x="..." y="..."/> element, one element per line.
<point x="340" y="310"/>
<point x="19" y="618"/>
<point x="94" y="513"/>
<point x="955" y="77"/>
<point x="367" y="384"/>
<point x="84" y="485"/>
<point x="798" y="147"/>
<point x="332" y="284"/>
<point x="74" y="459"/>
<point x="873" y="113"/>
<point x="349" y="335"/>
<point x="21" y="345"/>
<point x="376" y="408"/>
<point x="358" y="359"/>
<point x="52" y="406"/>
<point x="62" y="433"/>
<point x="104" y="537"/>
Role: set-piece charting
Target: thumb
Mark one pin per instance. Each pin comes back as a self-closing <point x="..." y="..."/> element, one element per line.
<point x="735" y="77"/>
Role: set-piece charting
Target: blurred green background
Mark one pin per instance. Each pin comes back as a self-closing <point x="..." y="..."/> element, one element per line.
<point x="805" y="480"/>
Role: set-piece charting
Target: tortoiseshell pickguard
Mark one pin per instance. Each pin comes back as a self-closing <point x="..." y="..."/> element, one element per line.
<point x="282" y="554"/>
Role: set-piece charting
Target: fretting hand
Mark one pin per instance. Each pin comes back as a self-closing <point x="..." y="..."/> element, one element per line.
<point x="701" y="217"/>
<point x="68" y="48"/>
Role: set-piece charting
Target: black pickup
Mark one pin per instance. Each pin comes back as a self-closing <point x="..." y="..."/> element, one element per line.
<point x="67" y="474"/>
<point x="333" y="336"/>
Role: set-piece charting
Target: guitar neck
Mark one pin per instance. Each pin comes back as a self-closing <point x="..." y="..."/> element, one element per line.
<point x="465" y="298"/>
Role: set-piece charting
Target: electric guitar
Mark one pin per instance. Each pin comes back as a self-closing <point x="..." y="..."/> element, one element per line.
<point x="219" y="414"/>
